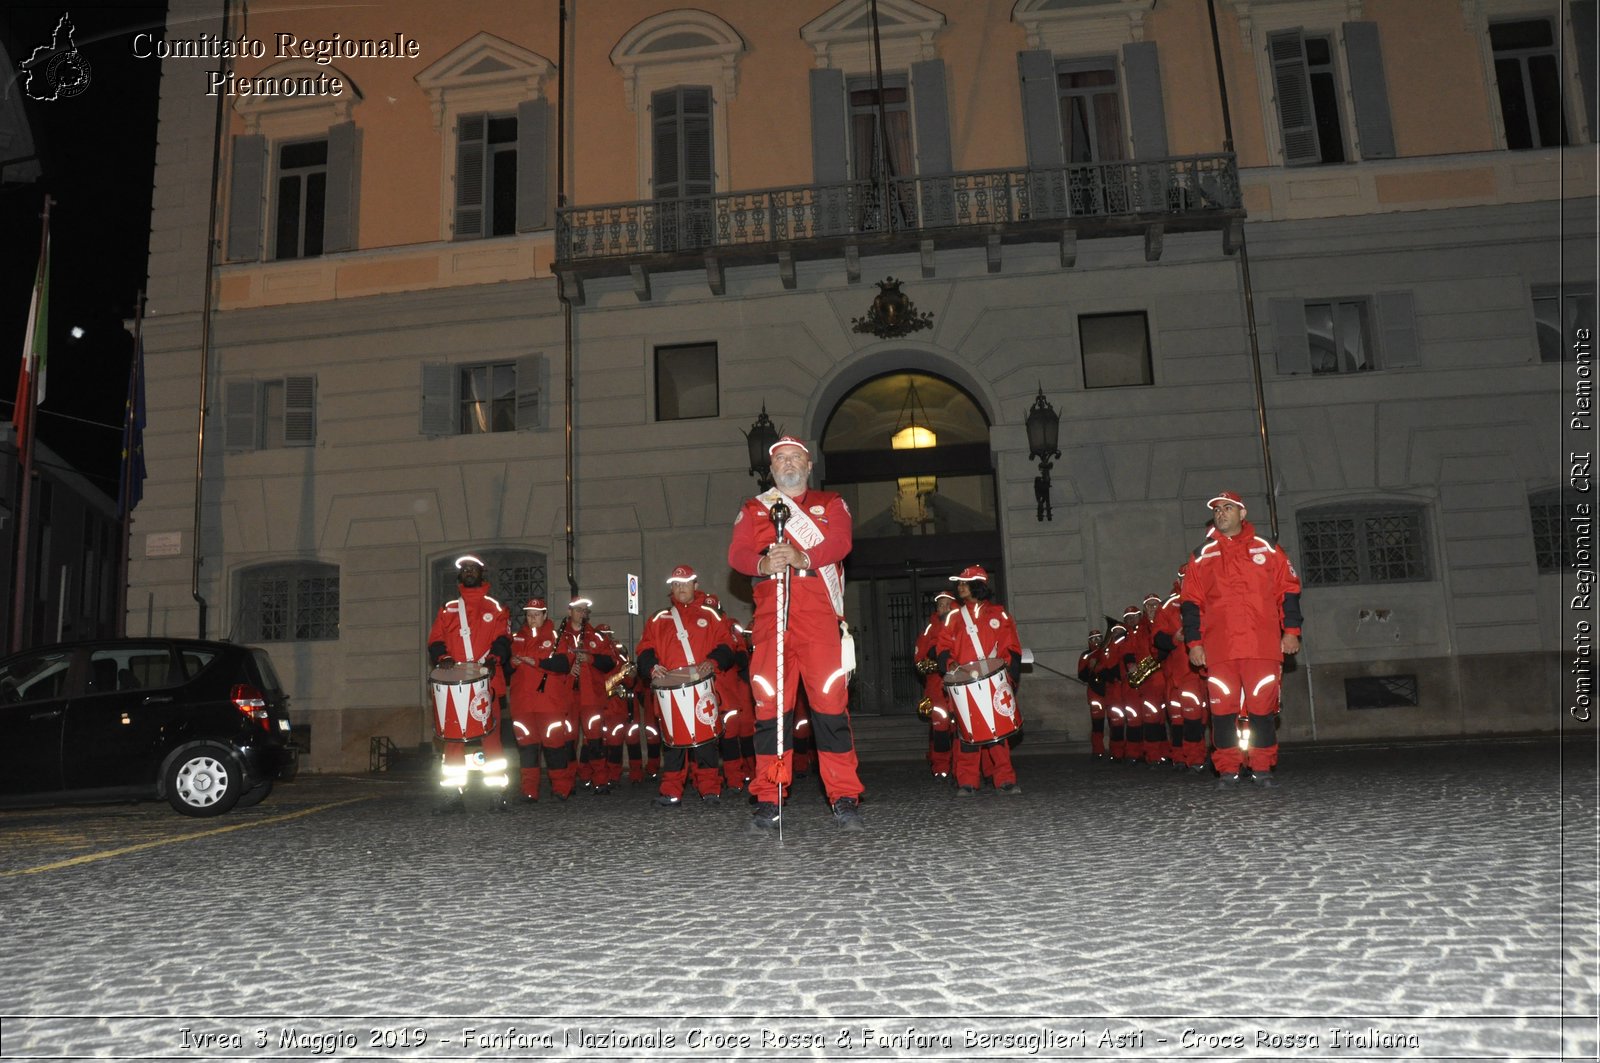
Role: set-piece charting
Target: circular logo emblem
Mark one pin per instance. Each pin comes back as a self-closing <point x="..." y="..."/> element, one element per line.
<point x="488" y="616"/>
<point x="995" y="623"/>
<point x="545" y="644"/>
<point x="817" y="511"/>
<point x="1260" y="559"/>
<point x="701" y="622"/>
<point x="68" y="74"/>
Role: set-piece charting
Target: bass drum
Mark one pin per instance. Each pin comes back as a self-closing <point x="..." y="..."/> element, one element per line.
<point x="688" y="707"/>
<point x="984" y="703"/>
<point x="463" y="704"/>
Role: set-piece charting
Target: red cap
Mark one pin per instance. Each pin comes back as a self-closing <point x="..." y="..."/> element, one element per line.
<point x="788" y="441"/>
<point x="1096" y="633"/>
<point x="1226" y="496"/>
<point x="970" y="573"/>
<point x="581" y="601"/>
<point x="944" y="594"/>
<point x="682" y="574"/>
<point x="1131" y="610"/>
<point x="603" y="626"/>
<point x="1153" y="597"/>
<point x="713" y="601"/>
<point x="537" y="603"/>
<point x="468" y="559"/>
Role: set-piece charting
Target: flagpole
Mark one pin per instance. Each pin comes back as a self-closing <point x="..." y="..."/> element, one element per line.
<point x="125" y="489"/>
<point x="24" y="533"/>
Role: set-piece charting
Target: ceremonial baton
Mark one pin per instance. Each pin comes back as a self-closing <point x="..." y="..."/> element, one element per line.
<point x="780" y="518"/>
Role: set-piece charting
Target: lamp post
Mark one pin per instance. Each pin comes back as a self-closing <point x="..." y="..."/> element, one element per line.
<point x="1044" y="426"/>
<point x="763" y="433"/>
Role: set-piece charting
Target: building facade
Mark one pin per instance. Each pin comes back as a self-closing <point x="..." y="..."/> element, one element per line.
<point x="422" y="263"/>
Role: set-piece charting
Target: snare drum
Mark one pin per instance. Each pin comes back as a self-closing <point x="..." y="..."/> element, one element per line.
<point x="985" y="706"/>
<point x="462" y="702"/>
<point x="688" y="707"/>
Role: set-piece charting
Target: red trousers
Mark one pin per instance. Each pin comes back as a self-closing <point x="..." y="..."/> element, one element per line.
<point x="543" y="731"/>
<point x="1251" y="687"/>
<point x="993" y="760"/>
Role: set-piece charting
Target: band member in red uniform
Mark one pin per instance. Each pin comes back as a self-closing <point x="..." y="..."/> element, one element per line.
<point x="538" y="709"/>
<point x="615" y="710"/>
<point x="689" y="634"/>
<point x="1094" y="684"/>
<point x="1127" y="731"/>
<point x="926" y="662"/>
<point x="1186" y="687"/>
<point x="980" y="629"/>
<point x="591" y="663"/>
<point x="474" y="628"/>
<point x="1241" y="615"/>
<point x="1150" y="695"/>
<point x="737" y="744"/>
<point x="807" y="567"/>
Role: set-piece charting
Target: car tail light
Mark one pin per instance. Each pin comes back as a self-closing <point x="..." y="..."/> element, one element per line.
<point x="250" y="701"/>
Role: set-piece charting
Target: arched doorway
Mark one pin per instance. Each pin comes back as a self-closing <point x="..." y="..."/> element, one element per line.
<point x="909" y="451"/>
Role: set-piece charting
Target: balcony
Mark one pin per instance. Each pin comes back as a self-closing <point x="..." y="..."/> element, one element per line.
<point x="979" y="208"/>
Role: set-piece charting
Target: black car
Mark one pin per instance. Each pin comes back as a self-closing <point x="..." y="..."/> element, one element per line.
<point x="203" y="724"/>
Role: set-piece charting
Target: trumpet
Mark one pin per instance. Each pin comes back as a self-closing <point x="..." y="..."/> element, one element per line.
<point x="615" y="681"/>
<point x="1143" y="670"/>
<point x="925" y="708"/>
<point x="927" y="666"/>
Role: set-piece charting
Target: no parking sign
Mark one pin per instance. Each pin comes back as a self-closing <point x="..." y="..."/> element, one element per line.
<point x="633" y="595"/>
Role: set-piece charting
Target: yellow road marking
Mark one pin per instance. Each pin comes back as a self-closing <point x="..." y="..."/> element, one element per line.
<point x="125" y="850"/>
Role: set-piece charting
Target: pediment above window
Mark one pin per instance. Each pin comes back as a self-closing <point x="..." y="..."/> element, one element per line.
<point x="484" y="71"/>
<point x="691" y="45"/>
<point x="1067" y="26"/>
<point x="279" y="114"/>
<point x="1267" y="16"/>
<point x="841" y="36"/>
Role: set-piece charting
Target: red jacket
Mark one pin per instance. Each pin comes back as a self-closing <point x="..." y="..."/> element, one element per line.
<point x="753" y="533"/>
<point x="1240" y="596"/>
<point x="488" y="627"/>
<point x="706" y="629"/>
<point x="538" y="686"/>
<point x="997" y="636"/>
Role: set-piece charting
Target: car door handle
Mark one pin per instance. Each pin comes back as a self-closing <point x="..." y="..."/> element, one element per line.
<point x="48" y="714"/>
<point x="158" y="699"/>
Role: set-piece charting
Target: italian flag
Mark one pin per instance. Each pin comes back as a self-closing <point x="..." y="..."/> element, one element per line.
<point x="31" y="375"/>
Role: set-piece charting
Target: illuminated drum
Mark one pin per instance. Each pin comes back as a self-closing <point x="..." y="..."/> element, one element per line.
<point x="462" y="701"/>
<point x="985" y="706"/>
<point x="687" y="705"/>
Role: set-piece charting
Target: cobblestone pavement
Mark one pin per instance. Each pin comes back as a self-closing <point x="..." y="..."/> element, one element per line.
<point x="1427" y="902"/>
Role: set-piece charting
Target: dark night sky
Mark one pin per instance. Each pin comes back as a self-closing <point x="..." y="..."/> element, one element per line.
<point x="97" y="150"/>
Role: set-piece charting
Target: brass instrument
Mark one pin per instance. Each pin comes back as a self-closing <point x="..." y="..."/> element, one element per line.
<point x="1143" y="670"/>
<point x="927" y="666"/>
<point x="616" y="679"/>
<point x="925" y="708"/>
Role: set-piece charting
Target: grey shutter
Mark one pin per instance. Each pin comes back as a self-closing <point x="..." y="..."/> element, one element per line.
<point x="665" y="178"/>
<point x="339" y="206"/>
<point x="1147" y="111"/>
<point x="239" y="415"/>
<point x="531" y="386"/>
<point x="1041" y="109"/>
<point x="533" y="165"/>
<point x="1397" y="331"/>
<point x="1584" y="30"/>
<point x="438" y="399"/>
<point x="1294" y="345"/>
<point x="1369" y="90"/>
<point x="299" y="411"/>
<point x="931" y="114"/>
<point x="1292" y="82"/>
<point x="245" y="198"/>
<point x="472" y="134"/>
<point x="830" y="124"/>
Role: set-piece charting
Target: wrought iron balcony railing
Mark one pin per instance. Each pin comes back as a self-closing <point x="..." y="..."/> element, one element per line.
<point x="1129" y="194"/>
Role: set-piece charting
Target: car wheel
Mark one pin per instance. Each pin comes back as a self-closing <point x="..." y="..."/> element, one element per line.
<point x="204" y="780"/>
<point x="255" y="795"/>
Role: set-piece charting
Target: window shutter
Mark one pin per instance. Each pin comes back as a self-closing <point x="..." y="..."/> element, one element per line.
<point x="299" y="411"/>
<point x="245" y="198"/>
<point x="339" y="205"/>
<point x="1293" y="84"/>
<point x="531" y="385"/>
<point x="239" y="415"/>
<point x="829" y="123"/>
<point x="1397" y="331"/>
<point x="932" y="115"/>
<point x="664" y="172"/>
<point x="1294" y="346"/>
<point x="1147" y="111"/>
<point x="699" y="176"/>
<point x="471" y="146"/>
<point x="1369" y="90"/>
<point x="438" y="399"/>
<point x="1041" y="112"/>
<point x="1584" y="29"/>
<point x="533" y="165"/>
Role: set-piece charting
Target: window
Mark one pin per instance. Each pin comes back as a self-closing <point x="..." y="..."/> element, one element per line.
<point x="1091" y="110"/>
<point x="1116" y="349"/>
<point x="269" y="414"/>
<point x="514" y="576"/>
<point x="302" y="199"/>
<point x="686" y="382"/>
<point x="506" y="395"/>
<point x="1362" y="544"/>
<point x="1564" y="317"/>
<point x="682" y="166"/>
<point x="1345" y="335"/>
<point x="1308" y="98"/>
<point x="36" y="677"/>
<point x="486" y="176"/>
<point x="295" y="601"/>
<point x="1555" y="530"/>
<point x="1380" y="691"/>
<point x="867" y="156"/>
<point x="1527" y="74"/>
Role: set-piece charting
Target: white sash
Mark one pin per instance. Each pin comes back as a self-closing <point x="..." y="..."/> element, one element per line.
<point x="805" y="532"/>
<point x="466" y="629"/>
<point x="972" y="633"/>
<point x="683" y="636"/>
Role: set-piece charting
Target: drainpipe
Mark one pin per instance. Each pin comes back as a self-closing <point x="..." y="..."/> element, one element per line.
<point x="1249" y="289"/>
<point x="205" y="335"/>
<point x="566" y="303"/>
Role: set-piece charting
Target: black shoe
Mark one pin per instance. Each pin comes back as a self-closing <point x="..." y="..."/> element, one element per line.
<point x="1229" y="781"/>
<point x="603" y="788"/>
<point x="451" y="805"/>
<point x="1198" y="769"/>
<point x="765" y="817"/>
<point x="966" y="791"/>
<point x="1264" y="780"/>
<point x="665" y="801"/>
<point x="530" y="799"/>
<point x="754" y="800"/>
<point x="558" y="797"/>
<point x="711" y="799"/>
<point x="847" y="813"/>
<point x="1011" y="788"/>
<point x="498" y="803"/>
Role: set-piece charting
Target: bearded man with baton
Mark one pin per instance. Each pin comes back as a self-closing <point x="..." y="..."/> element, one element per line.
<point x="798" y="581"/>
